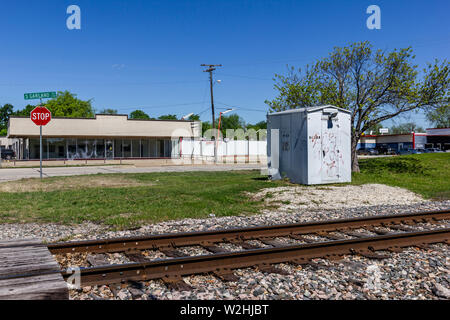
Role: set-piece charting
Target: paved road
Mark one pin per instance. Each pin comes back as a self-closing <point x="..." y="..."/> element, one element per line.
<point x="11" y="174"/>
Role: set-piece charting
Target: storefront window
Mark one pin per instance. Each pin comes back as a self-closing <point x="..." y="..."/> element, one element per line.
<point x="144" y="149"/>
<point x="167" y="147"/>
<point x="90" y="149"/>
<point x="127" y="148"/>
<point x="160" y="149"/>
<point x="136" y="149"/>
<point x="71" y="148"/>
<point x="81" y="149"/>
<point x="56" y="148"/>
<point x="60" y="148"/>
<point x="34" y="148"/>
<point x="99" y="149"/>
<point x="118" y="148"/>
<point x="153" y="148"/>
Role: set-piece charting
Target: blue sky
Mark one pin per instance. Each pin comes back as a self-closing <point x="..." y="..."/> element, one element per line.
<point x="144" y="54"/>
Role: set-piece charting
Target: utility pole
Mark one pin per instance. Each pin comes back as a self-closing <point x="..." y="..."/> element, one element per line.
<point x="211" y="68"/>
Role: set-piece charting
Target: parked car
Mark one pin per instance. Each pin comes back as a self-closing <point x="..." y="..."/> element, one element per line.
<point x="392" y="151"/>
<point x="386" y="150"/>
<point x="409" y="151"/>
<point x="433" y="150"/>
<point x="368" y="152"/>
<point x="7" y="154"/>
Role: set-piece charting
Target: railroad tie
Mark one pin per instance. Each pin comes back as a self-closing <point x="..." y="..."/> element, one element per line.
<point x="245" y="245"/>
<point x="97" y="260"/>
<point x="400" y="227"/>
<point x="136" y="257"/>
<point x="214" y="249"/>
<point x="330" y="236"/>
<point x="226" y="275"/>
<point x="268" y="268"/>
<point x="172" y="253"/>
<point x="272" y="242"/>
<point x="176" y="283"/>
<point x="354" y="234"/>
<point x="377" y="230"/>
<point x="371" y="255"/>
<point x="301" y="238"/>
<point x="423" y="246"/>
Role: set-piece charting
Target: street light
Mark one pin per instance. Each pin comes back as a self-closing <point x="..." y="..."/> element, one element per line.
<point x="218" y="130"/>
<point x="187" y="116"/>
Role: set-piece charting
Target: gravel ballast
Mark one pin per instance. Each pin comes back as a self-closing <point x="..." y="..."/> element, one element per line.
<point x="411" y="274"/>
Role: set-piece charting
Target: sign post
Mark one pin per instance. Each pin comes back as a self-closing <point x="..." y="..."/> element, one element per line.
<point x="41" y="116"/>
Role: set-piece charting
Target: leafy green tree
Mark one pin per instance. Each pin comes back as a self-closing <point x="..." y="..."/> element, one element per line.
<point x="25" y="112"/>
<point x="232" y="121"/>
<point x="258" y="126"/>
<point x="440" y="117"/>
<point x="109" y="111"/>
<point x="406" y="128"/>
<point x="206" y="126"/>
<point x="168" y="117"/>
<point x="373" y="85"/>
<point x="375" y="129"/>
<point x="5" y="112"/>
<point x="194" y="117"/>
<point x="67" y="105"/>
<point x="139" y="114"/>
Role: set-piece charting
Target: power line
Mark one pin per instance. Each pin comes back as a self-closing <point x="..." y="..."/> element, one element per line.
<point x="246" y="77"/>
<point x="241" y="108"/>
<point x="106" y="83"/>
<point x="211" y="68"/>
<point x="157" y="106"/>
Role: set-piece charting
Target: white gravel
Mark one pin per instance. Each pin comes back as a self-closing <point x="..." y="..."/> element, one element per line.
<point x="335" y="197"/>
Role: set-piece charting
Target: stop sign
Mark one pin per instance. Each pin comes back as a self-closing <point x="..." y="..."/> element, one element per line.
<point x="41" y="116"/>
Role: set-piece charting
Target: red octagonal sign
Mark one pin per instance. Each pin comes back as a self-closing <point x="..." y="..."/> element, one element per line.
<point x="41" y="116"/>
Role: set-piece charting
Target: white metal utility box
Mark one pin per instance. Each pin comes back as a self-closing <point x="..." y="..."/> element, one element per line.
<point x="310" y="145"/>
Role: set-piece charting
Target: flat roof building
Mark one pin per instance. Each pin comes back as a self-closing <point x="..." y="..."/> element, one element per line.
<point x="404" y="141"/>
<point x="102" y="137"/>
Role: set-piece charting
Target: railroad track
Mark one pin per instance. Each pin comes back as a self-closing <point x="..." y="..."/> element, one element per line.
<point x="259" y="247"/>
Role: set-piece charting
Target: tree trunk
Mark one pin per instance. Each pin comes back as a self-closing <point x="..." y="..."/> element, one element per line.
<point x="355" y="164"/>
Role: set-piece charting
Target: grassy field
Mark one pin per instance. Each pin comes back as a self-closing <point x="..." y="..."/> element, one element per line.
<point x="425" y="174"/>
<point x="127" y="200"/>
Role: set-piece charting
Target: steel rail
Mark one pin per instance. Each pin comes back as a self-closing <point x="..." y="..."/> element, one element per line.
<point x="222" y="263"/>
<point x="239" y="234"/>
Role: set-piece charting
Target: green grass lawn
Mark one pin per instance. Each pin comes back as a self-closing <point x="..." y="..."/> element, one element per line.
<point x="127" y="200"/>
<point x="162" y="196"/>
<point x="426" y="174"/>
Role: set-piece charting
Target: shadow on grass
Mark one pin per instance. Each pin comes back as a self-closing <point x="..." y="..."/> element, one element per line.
<point x="261" y="179"/>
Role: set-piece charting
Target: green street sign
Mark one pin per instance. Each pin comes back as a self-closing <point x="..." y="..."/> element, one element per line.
<point x="39" y="95"/>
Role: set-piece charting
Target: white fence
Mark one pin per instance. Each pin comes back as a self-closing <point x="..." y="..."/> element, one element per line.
<point x="227" y="151"/>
